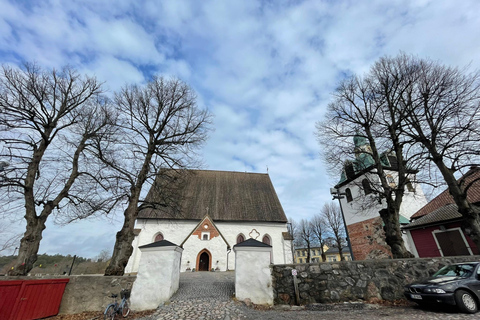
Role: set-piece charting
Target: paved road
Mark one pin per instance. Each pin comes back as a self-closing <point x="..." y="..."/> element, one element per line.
<point x="209" y="295"/>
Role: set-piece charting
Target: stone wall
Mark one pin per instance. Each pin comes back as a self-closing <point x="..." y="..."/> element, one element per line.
<point x="353" y="280"/>
<point x="87" y="293"/>
<point x="368" y="239"/>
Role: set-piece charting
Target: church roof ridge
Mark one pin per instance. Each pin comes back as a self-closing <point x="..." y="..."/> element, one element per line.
<point x="229" y="195"/>
<point x="231" y="171"/>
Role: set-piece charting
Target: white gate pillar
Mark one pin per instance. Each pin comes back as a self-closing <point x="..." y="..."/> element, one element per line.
<point x="158" y="275"/>
<point x="253" y="278"/>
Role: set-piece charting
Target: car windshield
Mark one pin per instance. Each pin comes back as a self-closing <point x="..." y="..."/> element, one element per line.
<point x="456" y="270"/>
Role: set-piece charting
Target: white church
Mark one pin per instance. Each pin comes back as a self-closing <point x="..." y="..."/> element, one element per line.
<point x="207" y="213"/>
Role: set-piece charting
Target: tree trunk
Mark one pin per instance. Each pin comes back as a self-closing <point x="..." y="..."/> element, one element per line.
<point x="308" y="252"/>
<point x="324" y="256"/>
<point x="340" y="252"/>
<point x="390" y="215"/>
<point x="29" y="245"/>
<point x="123" y="245"/>
<point x="393" y="234"/>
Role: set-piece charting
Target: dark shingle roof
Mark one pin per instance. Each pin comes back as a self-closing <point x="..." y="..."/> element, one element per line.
<point x="223" y="195"/>
<point x="445" y="213"/>
<point x="252" y="243"/>
<point x="444" y="198"/>
<point x="163" y="243"/>
<point x="335" y="250"/>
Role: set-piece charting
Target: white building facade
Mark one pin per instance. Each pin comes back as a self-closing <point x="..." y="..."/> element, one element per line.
<point x="240" y="206"/>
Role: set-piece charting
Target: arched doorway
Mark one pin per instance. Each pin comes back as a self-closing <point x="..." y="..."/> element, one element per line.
<point x="204" y="260"/>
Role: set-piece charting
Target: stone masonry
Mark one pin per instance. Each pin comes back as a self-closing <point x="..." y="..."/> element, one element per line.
<point x="368" y="240"/>
<point x="354" y="280"/>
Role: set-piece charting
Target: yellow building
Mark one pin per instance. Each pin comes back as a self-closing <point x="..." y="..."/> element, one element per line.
<point x="316" y="254"/>
<point x="333" y="255"/>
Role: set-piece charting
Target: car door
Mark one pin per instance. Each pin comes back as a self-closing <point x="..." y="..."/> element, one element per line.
<point x="475" y="283"/>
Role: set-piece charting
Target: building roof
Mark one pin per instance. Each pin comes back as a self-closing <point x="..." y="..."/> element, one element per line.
<point x="335" y="250"/>
<point x="163" y="243"/>
<point x="223" y="195"/>
<point x="445" y="213"/>
<point x="472" y="177"/>
<point x="252" y="243"/>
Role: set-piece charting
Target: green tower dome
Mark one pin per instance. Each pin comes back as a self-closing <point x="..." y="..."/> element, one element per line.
<point x="359" y="140"/>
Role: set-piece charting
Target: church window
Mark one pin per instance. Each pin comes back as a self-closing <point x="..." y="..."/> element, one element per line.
<point x="158" y="237"/>
<point x="348" y="194"/>
<point x="409" y="185"/>
<point x="240" y="238"/>
<point x="266" y="240"/>
<point x="367" y="188"/>
<point x="205" y="235"/>
<point x="391" y="181"/>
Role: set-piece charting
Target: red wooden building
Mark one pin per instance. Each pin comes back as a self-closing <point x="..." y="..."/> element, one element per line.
<point x="436" y="229"/>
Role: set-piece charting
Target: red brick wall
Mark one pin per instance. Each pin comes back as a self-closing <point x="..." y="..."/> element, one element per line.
<point x="201" y="228"/>
<point x="368" y="239"/>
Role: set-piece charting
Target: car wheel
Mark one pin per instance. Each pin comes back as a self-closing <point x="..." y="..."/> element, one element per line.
<point x="466" y="301"/>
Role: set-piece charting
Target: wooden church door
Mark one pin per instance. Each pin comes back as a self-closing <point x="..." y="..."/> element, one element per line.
<point x="204" y="262"/>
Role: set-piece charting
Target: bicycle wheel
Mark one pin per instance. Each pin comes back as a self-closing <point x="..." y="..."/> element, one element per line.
<point x="110" y="313"/>
<point x="125" y="309"/>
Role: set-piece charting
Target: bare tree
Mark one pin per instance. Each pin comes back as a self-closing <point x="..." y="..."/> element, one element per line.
<point x="363" y="112"/>
<point x="334" y="221"/>
<point x="47" y="118"/>
<point x="103" y="256"/>
<point x="292" y="227"/>
<point x="159" y="126"/>
<point x="441" y="112"/>
<point x="305" y="235"/>
<point x="8" y="239"/>
<point x="319" y="231"/>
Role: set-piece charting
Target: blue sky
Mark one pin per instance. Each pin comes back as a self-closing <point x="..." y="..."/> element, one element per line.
<point x="265" y="69"/>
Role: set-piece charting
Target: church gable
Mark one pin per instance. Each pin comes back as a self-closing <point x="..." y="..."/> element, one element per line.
<point x="206" y="228"/>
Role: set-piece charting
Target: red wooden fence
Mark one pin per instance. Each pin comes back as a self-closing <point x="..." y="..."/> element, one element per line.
<point x="30" y="299"/>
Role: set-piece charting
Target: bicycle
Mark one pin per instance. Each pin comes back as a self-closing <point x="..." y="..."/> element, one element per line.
<point x="114" y="308"/>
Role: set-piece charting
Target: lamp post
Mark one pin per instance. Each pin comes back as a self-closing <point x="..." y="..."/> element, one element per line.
<point x="340" y="195"/>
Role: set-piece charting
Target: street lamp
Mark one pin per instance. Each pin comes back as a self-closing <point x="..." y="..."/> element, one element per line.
<point x="340" y="195"/>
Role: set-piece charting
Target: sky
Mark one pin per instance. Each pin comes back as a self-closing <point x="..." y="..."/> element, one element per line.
<point x="265" y="69"/>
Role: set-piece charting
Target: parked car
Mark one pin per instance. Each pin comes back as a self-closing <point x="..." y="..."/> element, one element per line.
<point x="457" y="284"/>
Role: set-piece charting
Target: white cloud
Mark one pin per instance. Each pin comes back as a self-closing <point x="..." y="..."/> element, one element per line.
<point x="265" y="70"/>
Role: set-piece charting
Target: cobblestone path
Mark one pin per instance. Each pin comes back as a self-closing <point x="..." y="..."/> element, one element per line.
<point x="209" y="296"/>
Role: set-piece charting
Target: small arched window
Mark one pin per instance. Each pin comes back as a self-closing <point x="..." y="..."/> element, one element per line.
<point x="367" y="188"/>
<point x="159" y="237"/>
<point x="348" y="194"/>
<point x="240" y="238"/>
<point x="409" y="185"/>
<point x="266" y="240"/>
